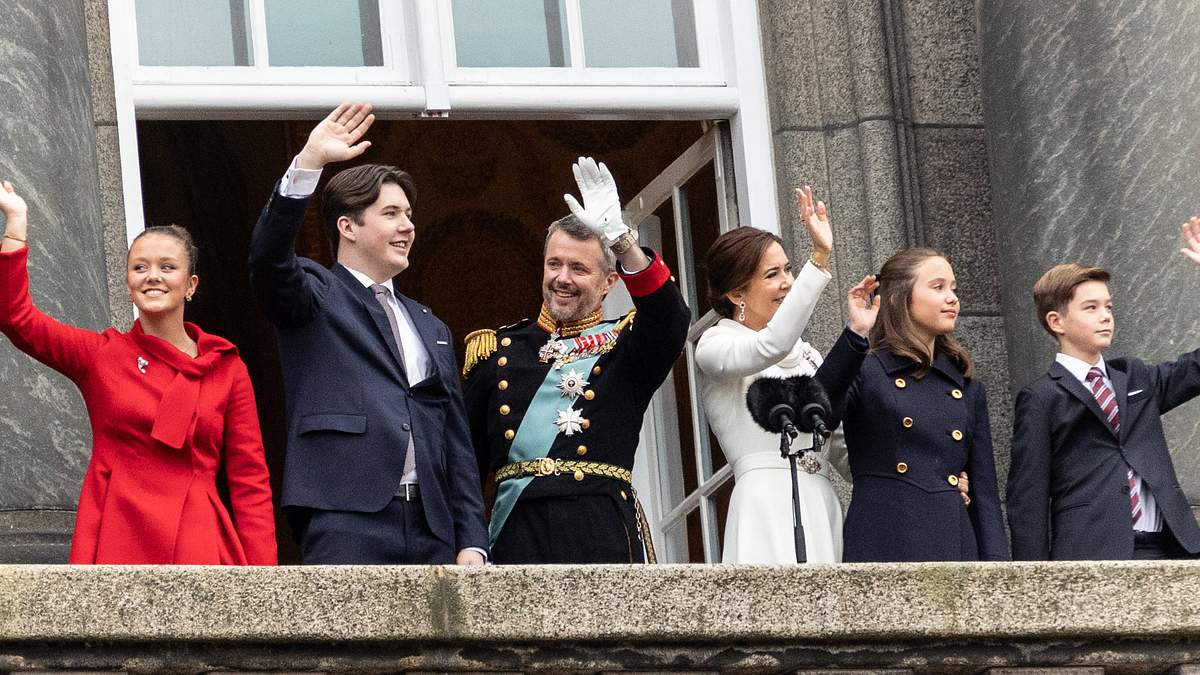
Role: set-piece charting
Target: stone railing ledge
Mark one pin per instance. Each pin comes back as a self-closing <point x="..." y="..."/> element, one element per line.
<point x="682" y="604"/>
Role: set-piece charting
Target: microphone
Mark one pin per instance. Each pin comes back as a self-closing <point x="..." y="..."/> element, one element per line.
<point x="769" y="401"/>
<point x="773" y="403"/>
<point x="810" y="397"/>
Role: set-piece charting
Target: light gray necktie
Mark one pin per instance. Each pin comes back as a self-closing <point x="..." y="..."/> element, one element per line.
<point x="381" y="293"/>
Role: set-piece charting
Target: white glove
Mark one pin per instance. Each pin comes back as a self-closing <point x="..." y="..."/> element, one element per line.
<point x="601" y="211"/>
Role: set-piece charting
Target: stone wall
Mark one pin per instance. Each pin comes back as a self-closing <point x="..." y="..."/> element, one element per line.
<point x="1094" y="131"/>
<point x="48" y="149"/>
<point x="913" y="618"/>
<point x="877" y="105"/>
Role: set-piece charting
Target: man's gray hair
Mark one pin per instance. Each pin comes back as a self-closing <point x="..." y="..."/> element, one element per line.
<point x="575" y="229"/>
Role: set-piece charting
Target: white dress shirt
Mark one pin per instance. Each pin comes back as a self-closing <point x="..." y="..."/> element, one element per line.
<point x="1151" y="519"/>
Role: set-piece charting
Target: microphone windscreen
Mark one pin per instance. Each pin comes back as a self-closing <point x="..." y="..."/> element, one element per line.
<point x="763" y="394"/>
<point x="805" y="390"/>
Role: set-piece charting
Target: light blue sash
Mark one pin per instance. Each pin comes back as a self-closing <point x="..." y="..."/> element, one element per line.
<point x="537" y="432"/>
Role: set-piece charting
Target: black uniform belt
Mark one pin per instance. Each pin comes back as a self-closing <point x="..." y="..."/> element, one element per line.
<point x="549" y="466"/>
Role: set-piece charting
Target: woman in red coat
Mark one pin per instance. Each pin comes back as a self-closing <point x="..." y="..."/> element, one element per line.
<point x="170" y="405"/>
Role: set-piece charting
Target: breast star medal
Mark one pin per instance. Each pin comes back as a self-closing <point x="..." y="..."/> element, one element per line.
<point x="571" y="384"/>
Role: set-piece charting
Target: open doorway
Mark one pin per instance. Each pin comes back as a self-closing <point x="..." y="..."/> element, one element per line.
<point x="485" y="192"/>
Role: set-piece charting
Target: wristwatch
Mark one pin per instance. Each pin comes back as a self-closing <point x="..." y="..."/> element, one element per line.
<point x="624" y="242"/>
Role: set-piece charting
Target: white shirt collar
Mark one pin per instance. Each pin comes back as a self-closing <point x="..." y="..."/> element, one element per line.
<point x="1078" y="367"/>
<point x="367" y="282"/>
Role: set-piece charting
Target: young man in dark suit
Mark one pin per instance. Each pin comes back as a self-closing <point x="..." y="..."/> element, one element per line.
<point x="1091" y="476"/>
<point x="379" y="467"/>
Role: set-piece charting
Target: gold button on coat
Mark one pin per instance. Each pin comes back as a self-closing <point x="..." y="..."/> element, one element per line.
<point x="956" y="435"/>
<point x="901" y="468"/>
<point x="502" y="361"/>
<point x="624" y="496"/>
<point x="578" y="474"/>
<point x="907" y="422"/>
<point x="900" y="383"/>
<point x="952" y="479"/>
<point x="508" y="435"/>
<point x="503" y="384"/>
<point x="506" y="342"/>
<point x="504" y="409"/>
<point x="596" y="370"/>
<point x="589" y="394"/>
<point x="581" y="450"/>
<point x="956" y="393"/>
<point x="585" y="423"/>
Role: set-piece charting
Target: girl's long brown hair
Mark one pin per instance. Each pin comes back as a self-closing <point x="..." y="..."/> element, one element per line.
<point x="894" y="328"/>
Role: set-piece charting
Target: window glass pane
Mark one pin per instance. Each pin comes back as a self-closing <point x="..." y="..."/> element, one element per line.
<point x="193" y="33"/>
<point x="639" y="33"/>
<point x="324" y="33"/>
<point x="701" y="227"/>
<point x="512" y="34"/>
<point x="695" y="537"/>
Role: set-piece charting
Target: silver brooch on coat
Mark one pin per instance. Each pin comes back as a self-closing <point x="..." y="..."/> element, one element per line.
<point x="142" y="363"/>
<point x="809" y="463"/>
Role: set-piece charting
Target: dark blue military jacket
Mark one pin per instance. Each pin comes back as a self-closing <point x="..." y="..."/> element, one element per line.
<point x="619" y="389"/>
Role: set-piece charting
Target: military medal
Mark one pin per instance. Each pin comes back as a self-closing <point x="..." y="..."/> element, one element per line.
<point x="572" y="384"/>
<point x="570" y="421"/>
<point x="552" y="350"/>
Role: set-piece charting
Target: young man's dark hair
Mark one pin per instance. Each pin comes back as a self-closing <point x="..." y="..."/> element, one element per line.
<point x="352" y="190"/>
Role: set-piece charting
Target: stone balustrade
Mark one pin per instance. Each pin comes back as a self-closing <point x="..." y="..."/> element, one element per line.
<point x="922" y="618"/>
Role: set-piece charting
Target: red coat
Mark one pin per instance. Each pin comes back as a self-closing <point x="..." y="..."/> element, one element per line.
<point x="162" y="423"/>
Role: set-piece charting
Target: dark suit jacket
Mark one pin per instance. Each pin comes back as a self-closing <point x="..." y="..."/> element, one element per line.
<point x="1068" y="498"/>
<point x="349" y="408"/>
<point x="908" y="439"/>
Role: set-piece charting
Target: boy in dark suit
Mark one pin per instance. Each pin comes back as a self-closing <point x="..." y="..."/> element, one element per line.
<point x="379" y="467"/>
<point x="1091" y="476"/>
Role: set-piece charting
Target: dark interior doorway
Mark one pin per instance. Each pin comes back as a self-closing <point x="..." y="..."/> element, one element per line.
<point x="486" y="190"/>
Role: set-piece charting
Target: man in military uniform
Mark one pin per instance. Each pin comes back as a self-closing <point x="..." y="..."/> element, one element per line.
<point x="556" y="405"/>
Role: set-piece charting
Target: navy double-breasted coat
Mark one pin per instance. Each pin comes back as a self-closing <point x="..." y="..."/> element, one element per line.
<point x="908" y="439"/>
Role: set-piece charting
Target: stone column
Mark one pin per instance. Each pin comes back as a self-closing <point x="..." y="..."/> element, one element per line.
<point x="877" y="106"/>
<point x="48" y="151"/>
<point x="1093" y="123"/>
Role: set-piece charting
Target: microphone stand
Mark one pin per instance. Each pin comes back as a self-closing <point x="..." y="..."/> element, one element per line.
<point x="786" y="437"/>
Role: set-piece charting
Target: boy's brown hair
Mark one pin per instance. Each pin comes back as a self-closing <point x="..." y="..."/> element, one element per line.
<point x="351" y="191"/>
<point x="1053" y="292"/>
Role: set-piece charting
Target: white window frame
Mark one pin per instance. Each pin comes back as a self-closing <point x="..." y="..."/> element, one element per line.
<point x="708" y="48"/>
<point x="394" y="19"/>
<point x="658" y="439"/>
<point x="741" y="100"/>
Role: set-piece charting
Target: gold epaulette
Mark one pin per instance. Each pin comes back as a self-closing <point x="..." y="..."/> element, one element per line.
<point x="480" y="345"/>
<point x="628" y="320"/>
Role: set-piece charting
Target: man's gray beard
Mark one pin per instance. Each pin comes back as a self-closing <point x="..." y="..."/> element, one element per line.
<point x="582" y="312"/>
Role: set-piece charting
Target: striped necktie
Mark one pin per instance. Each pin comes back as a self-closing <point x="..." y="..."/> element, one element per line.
<point x="1108" y="405"/>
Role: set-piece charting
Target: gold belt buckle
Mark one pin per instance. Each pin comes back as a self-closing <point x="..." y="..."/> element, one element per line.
<point x="547" y="466"/>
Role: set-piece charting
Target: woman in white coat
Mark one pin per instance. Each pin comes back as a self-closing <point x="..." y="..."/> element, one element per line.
<point x="764" y="312"/>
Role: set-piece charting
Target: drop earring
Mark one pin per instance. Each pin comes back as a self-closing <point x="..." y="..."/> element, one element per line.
<point x="742" y="313"/>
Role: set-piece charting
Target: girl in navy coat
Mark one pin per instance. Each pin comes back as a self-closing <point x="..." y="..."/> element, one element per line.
<point x="914" y="419"/>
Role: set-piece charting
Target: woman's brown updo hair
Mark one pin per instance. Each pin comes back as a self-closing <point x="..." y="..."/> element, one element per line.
<point x="731" y="262"/>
